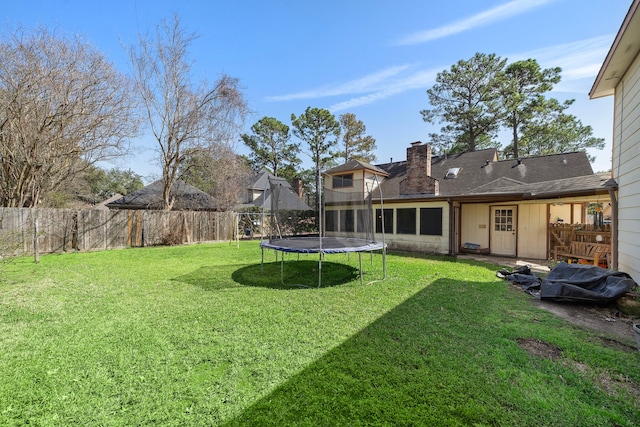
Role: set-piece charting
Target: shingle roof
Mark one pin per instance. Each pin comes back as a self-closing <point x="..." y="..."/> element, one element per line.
<point x="287" y="199"/>
<point x="480" y="173"/>
<point x="187" y="197"/>
<point x="353" y="165"/>
<point x="579" y="184"/>
<point x="261" y="180"/>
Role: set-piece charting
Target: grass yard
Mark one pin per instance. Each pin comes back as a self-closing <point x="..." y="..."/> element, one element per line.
<point x="199" y="335"/>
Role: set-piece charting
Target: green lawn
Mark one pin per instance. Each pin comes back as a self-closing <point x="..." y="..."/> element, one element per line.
<point x="200" y="335"/>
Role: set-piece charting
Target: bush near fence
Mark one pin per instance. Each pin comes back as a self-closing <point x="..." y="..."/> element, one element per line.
<point x="58" y="230"/>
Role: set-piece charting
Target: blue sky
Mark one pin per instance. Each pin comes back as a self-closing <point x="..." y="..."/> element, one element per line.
<point x="373" y="58"/>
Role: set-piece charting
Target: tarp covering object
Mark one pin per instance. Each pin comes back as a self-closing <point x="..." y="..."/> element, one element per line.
<point x="573" y="283"/>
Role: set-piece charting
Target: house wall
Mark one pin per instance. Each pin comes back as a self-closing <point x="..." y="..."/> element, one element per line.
<point x="531" y="225"/>
<point x="371" y="183"/>
<point x="474" y="224"/>
<point x="626" y="169"/>
<point x="417" y="242"/>
<point x="570" y="213"/>
<point x="532" y="231"/>
<point x="532" y="222"/>
<point x="563" y="212"/>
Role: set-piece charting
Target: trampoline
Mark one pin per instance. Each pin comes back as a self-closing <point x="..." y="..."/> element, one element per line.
<point x="325" y="245"/>
<point x="322" y="246"/>
<point x="353" y="227"/>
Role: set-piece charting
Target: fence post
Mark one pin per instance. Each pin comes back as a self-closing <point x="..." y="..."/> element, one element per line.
<point x="36" y="249"/>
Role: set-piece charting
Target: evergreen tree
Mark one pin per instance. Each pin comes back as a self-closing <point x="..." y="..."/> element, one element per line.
<point x="523" y="86"/>
<point x="355" y="144"/>
<point x="466" y="98"/>
<point x="320" y="130"/>
<point x="271" y="147"/>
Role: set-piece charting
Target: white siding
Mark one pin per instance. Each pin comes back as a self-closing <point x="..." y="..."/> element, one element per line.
<point x="626" y="169"/>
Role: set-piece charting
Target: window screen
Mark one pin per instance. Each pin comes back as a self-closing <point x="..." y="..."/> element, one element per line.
<point x="431" y="221"/>
<point x="340" y="181"/>
<point x="388" y="221"/>
<point x="331" y="220"/>
<point x="406" y="221"/>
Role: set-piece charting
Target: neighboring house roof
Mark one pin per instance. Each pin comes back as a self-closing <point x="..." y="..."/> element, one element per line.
<point x="354" y="165"/>
<point x="261" y="180"/>
<point x="478" y="173"/>
<point x="623" y="52"/>
<point x="287" y="198"/>
<point x="103" y="204"/>
<point x="187" y="197"/>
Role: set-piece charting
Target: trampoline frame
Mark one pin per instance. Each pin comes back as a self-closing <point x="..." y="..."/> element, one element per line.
<point x="365" y="246"/>
<point x="358" y="246"/>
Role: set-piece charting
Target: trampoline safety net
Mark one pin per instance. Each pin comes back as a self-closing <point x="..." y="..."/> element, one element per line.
<point x="344" y="223"/>
<point x="347" y="211"/>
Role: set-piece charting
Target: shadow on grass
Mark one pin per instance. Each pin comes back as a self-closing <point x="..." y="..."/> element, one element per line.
<point x="448" y="258"/>
<point x="304" y="273"/>
<point x="393" y="372"/>
<point x="295" y="274"/>
<point x="421" y="364"/>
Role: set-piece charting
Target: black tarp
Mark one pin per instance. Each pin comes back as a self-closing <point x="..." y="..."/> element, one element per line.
<point x="573" y="283"/>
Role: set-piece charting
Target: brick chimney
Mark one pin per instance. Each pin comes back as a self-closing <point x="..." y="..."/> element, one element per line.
<point x="297" y="187"/>
<point x="419" y="179"/>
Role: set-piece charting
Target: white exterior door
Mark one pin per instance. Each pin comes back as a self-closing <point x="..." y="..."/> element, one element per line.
<point x="503" y="230"/>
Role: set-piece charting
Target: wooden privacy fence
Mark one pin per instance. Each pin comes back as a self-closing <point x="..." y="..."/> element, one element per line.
<point x="57" y="230"/>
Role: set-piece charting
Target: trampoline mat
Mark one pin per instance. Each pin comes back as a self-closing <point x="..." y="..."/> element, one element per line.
<point x="326" y="245"/>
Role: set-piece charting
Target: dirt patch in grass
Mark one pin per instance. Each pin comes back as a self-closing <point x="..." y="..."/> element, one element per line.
<point x="611" y="384"/>
<point x="606" y="319"/>
<point x="540" y="348"/>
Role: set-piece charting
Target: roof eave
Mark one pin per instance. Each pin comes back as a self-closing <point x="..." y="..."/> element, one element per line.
<point x="623" y="51"/>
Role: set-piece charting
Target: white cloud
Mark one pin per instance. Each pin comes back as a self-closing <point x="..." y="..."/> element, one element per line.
<point x="360" y="85"/>
<point x="579" y="60"/>
<point x="421" y="79"/>
<point x="495" y="14"/>
<point x="372" y="87"/>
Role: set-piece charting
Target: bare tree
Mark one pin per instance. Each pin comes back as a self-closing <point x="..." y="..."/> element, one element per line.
<point x="220" y="172"/>
<point x="63" y="107"/>
<point x="184" y="118"/>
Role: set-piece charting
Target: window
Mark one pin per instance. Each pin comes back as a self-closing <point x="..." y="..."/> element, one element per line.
<point x="503" y="220"/>
<point x="452" y="173"/>
<point x="388" y="221"/>
<point x="363" y="224"/>
<point x="346" y="221"/>
<point x="406" y="221"/>
<point x="331" y="220"/>
<point x="431" y="221"/>
<point x="341" y="181"/>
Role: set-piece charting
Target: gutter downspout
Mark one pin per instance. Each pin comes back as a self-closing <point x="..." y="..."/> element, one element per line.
<point x="614" y="228"/>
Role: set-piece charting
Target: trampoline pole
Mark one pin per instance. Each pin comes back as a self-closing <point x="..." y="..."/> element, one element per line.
<point x="360" y="258"/>
<point x="384" y="263"/>
<point x="262" y="261"/>
<point x="320" y="270"/>
<point x="281" y="268"/>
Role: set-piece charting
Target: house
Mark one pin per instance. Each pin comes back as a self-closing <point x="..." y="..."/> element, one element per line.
<point x="259" y="194"/>
<point x="620" y="76"/>
<point x="187" y="198"/>
<point x="103" y="204"/>
<point x="437" y="204"/>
